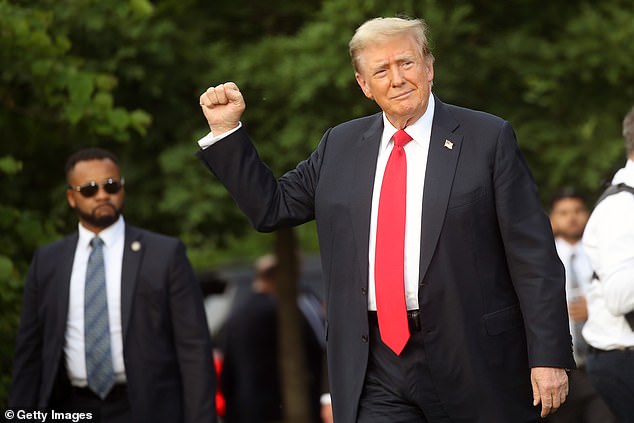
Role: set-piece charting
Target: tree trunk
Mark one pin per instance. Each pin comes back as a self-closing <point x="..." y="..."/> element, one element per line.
<point x="291" y="344"/>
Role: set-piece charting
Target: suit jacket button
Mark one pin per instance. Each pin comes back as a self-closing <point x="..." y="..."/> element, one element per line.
<point x="364" y="291"/>
<point x="364" y="338"/>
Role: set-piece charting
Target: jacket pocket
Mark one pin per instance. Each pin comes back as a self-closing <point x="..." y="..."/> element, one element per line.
<point x="503" y="320"/>
<point x="464" y="198"/>
<point x="505" y="340"/>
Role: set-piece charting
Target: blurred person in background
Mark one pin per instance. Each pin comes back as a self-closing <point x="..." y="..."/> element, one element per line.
<point x="251" y="379"/>
<point x="568" y="217"/>
<point x="609" y="331"/>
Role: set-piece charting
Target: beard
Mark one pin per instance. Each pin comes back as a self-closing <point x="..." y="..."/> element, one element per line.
<point x="100" y="221"/>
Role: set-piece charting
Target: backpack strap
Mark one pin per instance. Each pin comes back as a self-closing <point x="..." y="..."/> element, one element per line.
<point x="614" y="189"/>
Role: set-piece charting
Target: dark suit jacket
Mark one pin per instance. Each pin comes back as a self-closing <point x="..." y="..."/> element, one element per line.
<point x="166" y="344"/>
<point x="251" y="375"/>
<point x="491" y="291"/>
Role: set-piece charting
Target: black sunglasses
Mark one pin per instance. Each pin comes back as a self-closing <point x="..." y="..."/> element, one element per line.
<point x="111" y="186"/>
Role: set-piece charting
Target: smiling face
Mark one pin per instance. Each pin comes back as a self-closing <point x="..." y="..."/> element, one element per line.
<point x="102" y="209"/>
<point x="396" y="75"/>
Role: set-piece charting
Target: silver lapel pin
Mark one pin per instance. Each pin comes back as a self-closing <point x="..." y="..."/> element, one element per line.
<point x="449" y="144"/>
<point x="135" y="246"/>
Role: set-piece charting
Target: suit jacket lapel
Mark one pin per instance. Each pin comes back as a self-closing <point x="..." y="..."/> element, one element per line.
<point x="366" y="153"/>
<point x="444" y="151"/>
<point x="133" y="250"/>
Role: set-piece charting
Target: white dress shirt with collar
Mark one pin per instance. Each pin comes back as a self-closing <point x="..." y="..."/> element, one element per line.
<point x="74" y="351"/>
<point x="582" y="266"/>
<point x="416" y="151"/>
<point x="609" y="242"/>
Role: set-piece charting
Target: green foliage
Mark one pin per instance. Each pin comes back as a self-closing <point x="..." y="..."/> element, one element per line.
<point x="47" y="81"/>
<point x="10" y="165"/>
<point x="560" y="72"/>
<point x="9" y="301"/>
<point x="127" y="75"/>
<point x="20" y="233"/>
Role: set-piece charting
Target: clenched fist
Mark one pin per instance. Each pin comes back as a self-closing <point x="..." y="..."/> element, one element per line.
<point x="222" y="106"/>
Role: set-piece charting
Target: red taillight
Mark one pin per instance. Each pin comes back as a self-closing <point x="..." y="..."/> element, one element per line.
<point x="221" y="405"/>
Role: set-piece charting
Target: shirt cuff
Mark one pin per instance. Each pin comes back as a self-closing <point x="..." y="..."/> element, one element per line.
<point x="209" y="139"/>
<point x="325" y="399"/>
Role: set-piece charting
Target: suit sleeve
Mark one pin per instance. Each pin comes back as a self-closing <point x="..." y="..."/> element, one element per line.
<point x="268" y="203"/>
<point x="192" y="340"/>
<point x="536" y="271"/>
<point x="27" y="361"/>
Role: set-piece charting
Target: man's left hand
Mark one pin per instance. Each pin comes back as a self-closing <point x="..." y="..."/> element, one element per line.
<point x="550" y="388"/>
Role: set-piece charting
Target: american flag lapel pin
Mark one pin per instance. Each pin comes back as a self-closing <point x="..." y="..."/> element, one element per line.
<point x="449" y="144"/>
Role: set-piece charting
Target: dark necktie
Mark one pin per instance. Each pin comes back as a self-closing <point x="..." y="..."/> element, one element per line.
<point x="100" y="372"/>
<point x="390" y="245"/>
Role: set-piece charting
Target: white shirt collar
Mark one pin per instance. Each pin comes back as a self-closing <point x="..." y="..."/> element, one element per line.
<point x="420" y="131"/>
<point x="625" y="175"/>
<point x="566" y="249"/>
<point x="108" y="235"/>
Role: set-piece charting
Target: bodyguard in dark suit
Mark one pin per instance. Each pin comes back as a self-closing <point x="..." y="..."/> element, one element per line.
<point x="151" y="360"/>
<point x="477" y="330"/>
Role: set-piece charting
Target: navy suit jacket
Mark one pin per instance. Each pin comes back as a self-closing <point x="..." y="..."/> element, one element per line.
<point x="491" y="286"/>
<point x="166" y="344"/>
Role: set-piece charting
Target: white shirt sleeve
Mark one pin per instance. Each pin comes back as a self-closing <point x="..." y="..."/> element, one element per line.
<point x="209" y="139"/>
<point x="615" y="242"/>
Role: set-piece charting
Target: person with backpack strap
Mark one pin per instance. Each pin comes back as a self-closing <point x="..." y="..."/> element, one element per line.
<point x="609" y="242"/>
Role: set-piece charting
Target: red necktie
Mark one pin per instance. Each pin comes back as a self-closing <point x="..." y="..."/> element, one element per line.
<point x="389" y="275"/>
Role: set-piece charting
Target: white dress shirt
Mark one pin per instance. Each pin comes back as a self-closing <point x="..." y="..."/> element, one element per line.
<point x="583" y="275"/>
<point x="416" y="151"/>
<point x="609" y="242"/>
<point x="74" y="351"/>
<point x="210" y="139"/>
<point x="582" y="266"/>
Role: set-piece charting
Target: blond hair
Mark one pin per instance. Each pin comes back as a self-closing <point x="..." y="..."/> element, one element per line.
<point x="381" y="29"/>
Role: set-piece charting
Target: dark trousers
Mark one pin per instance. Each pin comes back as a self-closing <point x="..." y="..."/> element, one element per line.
<point x="612" y="373"/>
<point x="115" y="408"/>
<point x="398" y="389"/>
<point x="584" y="404"/>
